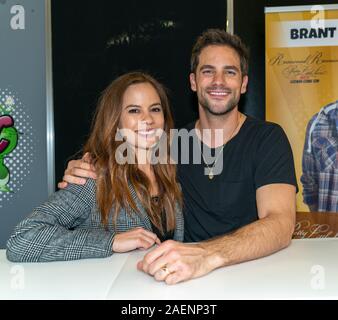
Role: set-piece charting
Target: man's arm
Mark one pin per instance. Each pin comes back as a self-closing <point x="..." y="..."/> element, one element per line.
<point x="276" y="204"/>
<point x="309" y="180"/>
<point x="309" y="177"/>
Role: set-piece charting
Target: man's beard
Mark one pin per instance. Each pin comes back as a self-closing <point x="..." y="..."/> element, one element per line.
<point x="228" y="107"/>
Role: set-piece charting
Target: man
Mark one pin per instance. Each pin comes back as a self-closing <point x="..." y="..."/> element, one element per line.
<point x="247" y="210"/>
<point x="320" y="161"/>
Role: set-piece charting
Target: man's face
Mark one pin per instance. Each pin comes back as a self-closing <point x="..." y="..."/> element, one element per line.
<point x="218" y="80"/>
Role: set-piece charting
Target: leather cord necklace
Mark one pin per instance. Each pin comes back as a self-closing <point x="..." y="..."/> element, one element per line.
<point x="211" y="168"/>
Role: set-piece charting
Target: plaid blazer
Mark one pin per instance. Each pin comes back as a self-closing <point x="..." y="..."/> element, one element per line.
<point x="68" y="227"/>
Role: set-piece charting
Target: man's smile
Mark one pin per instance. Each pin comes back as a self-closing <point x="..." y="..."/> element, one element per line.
<point x="218" y="93"/>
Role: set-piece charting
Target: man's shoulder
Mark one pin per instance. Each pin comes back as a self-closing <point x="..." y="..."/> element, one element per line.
<point x="322" y="118"/>
<point x="331" y="111"/>
<point x="331" y="108"/>
<point x="260" y="125"/>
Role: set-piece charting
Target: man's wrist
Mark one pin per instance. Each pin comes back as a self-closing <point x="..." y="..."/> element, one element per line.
<point x="214" y="256"/>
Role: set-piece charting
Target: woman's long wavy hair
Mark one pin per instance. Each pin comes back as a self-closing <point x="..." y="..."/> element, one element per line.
<point x="113" y="179"/>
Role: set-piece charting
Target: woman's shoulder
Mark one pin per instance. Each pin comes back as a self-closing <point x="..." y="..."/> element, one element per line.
<point x="88" y="187"/>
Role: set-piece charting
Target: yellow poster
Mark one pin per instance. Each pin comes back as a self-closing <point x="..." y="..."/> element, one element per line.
<point x="302" y="96"/>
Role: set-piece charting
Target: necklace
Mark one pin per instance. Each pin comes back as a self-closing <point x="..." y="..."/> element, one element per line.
<point x="211" y="168"/>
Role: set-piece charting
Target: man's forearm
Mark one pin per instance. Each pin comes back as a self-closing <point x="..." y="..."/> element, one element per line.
<point x="255" y="240"/>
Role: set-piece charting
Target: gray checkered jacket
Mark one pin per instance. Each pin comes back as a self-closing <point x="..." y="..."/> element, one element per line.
<point x="68" y="227"/>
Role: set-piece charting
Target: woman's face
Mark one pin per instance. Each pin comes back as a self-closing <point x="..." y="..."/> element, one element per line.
<point x="142" y="118"/>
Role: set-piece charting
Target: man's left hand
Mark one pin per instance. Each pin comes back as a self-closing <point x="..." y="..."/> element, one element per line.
<point x="175" y="262"/>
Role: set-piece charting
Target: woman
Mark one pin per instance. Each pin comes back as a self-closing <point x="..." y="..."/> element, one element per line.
<point x="131" y="205"/>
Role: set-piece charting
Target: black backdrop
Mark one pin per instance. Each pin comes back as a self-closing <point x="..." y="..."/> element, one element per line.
<point x="93" y="42"/>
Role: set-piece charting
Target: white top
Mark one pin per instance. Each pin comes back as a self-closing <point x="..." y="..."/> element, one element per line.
<point x="307" y="269"/>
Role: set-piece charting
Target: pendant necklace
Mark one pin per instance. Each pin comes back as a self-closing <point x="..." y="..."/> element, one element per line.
<point x="211" y="168"/>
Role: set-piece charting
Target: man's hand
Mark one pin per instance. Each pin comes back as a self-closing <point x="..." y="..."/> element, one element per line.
<point x="137" y="238"/>
<point x="175" y="262"/>
<point x="78" y="171"/>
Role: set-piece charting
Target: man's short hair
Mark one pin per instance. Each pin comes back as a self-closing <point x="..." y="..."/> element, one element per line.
<point x="219" y="37"/>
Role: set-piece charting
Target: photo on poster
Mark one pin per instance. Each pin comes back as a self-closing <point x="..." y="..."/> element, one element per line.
<point x="301" y="96"/>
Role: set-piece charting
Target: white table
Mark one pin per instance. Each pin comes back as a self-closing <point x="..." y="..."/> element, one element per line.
<point x="82" y="279"/>
<point x="307" y="269"/>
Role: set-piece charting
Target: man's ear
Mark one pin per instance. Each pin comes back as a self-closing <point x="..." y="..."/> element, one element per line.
<point x="244" y="84"/>
<point x="193" y="82"/>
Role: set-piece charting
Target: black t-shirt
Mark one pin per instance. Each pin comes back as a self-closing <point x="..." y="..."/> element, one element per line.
<point x="258" y="155"/>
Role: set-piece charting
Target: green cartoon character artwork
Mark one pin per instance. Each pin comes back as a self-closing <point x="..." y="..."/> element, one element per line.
<point x="8" y="142"/>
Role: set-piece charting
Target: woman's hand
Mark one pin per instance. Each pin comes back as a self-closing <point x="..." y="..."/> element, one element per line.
<point x="137" y="238"/>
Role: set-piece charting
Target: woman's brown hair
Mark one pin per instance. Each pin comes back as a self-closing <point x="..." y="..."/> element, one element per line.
<point x="113" y="179"/>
